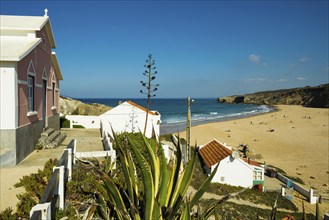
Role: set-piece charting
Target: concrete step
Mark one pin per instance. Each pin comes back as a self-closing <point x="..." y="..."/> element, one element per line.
<point x="55" y="140"/>
<point x="53" y="136"/>
<point x="47" y="132"/>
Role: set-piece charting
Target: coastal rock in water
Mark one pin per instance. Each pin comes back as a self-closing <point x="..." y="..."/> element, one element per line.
<point x="70" y="106"/>
<point x="317" y="96"/>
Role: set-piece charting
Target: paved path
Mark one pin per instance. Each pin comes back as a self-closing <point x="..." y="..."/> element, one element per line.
<point x="87" y="140"/>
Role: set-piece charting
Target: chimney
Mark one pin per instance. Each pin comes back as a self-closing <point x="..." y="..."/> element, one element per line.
<point x="46" y="13"/>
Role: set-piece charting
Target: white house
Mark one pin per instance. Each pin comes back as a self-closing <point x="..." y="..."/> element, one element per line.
<point x="29" y="84"/>
<point x="232" y="169"/>
<point x="129" y="117"/>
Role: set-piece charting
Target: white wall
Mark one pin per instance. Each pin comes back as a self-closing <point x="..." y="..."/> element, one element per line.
<point x="235" y="172"/>
<point x="8" y="96"/>
<point x="86" y="121"/>
<point x="127" y="118"/>
<point x="168" y="152"/>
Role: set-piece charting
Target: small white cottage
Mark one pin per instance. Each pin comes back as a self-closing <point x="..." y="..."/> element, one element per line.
<point x="130" y="117"/>
<point x="232" y="169"/>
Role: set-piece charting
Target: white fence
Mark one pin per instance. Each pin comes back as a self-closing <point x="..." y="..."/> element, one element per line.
<point x="54" y="195"/>
<point x="87" y="121"/>
<point x="309" y="194"/>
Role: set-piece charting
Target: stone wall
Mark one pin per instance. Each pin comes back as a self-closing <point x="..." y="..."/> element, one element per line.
<point x="8" y="150"/>
<point x="53" y="122"/>
<point x="26" y="139"/>
<point x="18" y="144"/>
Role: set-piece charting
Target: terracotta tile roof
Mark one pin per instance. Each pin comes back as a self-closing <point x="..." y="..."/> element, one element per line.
<point x="251" y="162"/>
<point x="214" y="152"/>
<point x="142" y="108"/>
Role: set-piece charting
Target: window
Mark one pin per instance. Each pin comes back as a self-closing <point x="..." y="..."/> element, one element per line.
<point x="53" y="94"/>
<point x="257" y="175"/>
<point x="30" y="93"/>
<point x="222" y="178"/>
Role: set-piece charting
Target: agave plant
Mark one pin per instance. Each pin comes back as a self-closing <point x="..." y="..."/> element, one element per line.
<point x="164" y="187"/>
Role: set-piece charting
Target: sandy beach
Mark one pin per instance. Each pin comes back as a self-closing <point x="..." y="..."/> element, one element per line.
<point x="293" y="138"/>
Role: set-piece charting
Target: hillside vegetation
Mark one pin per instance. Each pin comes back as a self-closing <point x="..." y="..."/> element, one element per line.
<point x="316" y="96"/>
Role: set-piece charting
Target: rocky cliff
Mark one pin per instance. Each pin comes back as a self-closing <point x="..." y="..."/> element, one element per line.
<point x="317" y="96"/>
<point x="74" y="107"/>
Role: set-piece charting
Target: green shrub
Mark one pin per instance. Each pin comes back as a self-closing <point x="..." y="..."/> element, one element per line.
<point x="8" y="214"/>
<point x="78" y="126"/>
<point x="267" y="198"/>
<point x="34" y="184"/>
<point x="64" y="123"/>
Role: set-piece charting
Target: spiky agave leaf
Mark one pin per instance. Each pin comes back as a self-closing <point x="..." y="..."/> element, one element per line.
<point x="128" y="171"/>
<point x="186" y="212"/>
<point x="210" y="210"/>
<point x="115" y="197"/>
<point x="153" y="163"/>
<point x="203" y="188"/>
<point x="102" y="207"/>
<point x="149" y="195"/>
<point x="175" y="174"/>
<point x="89" y="213"/>
<point x="184" y="179"/>
<point x="164" y="179"/>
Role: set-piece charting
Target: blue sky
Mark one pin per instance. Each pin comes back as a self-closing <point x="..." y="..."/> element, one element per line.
<point x="201" y="48"/>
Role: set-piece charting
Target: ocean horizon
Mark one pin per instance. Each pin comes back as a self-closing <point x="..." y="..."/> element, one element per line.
<point x="174" y="110"/>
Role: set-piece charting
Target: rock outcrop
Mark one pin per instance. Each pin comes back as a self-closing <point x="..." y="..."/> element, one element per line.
<point x="70" y="106"/>
<point x="317" y="96"/>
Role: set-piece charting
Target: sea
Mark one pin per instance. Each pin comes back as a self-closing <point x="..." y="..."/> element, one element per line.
<point x="203" y="110"/>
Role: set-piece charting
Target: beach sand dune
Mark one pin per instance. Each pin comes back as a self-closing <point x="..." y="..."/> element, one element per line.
<point x="294" y="138"/>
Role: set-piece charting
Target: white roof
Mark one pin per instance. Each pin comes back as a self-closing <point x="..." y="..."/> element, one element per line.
<point x="15" y="50"/>
<point x="16" y="47"/>
<point x="29" y="23"/>
<point x="127" y="106"/>
<point x="56" y="66"/>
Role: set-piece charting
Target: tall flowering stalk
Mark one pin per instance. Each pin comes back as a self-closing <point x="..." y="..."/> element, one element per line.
<point x="150" y="88"/>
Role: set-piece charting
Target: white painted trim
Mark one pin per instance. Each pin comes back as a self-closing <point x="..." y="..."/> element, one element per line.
<point x="22" y="82"/>
<point x="17" y="104"/>
<point x="32" y="113"/>
<point x="44" y="74"/>
<point x="53" y="107"/>
<point x="28" y="67"/>
<point x="45" y="209"/>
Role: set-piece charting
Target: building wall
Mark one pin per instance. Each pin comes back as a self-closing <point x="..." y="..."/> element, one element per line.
<point x="127" y="118"/>
<point x="53" y="121"/>
<point x="52" y="79"/>
<point x="26" y="138"/>
<point x="19" y="143"/>
<point x="40" y="57"/>
<point x="8" y="149"/>
<point x="233" y="172"/>
<point x="20" y="132"/>
<point x="8" y="94"/>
